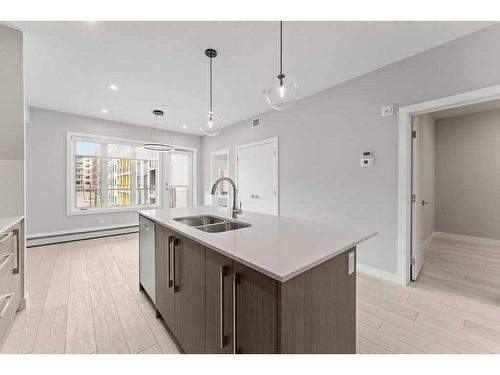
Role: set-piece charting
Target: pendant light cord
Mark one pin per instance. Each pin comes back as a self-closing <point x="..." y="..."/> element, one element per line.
<point x="211" y="109"/>
<point x="281" y="48"/>
<point x="153" y="136"/>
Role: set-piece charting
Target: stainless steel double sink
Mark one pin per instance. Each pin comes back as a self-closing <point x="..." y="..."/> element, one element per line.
<point x="211" y="224"/>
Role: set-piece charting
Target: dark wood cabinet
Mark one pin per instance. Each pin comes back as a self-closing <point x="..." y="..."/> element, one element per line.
<point x="247" y="311"/>
<point x="189" y="294"/>
<point x="256" y="302"/>
<point x="219" y="306"/>
<point x="164" y="289"/>
<point x="213" y="304"/>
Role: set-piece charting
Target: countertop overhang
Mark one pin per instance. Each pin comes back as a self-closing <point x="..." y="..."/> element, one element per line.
<point x="279" y="247"/>
<point x="7" y="221"/>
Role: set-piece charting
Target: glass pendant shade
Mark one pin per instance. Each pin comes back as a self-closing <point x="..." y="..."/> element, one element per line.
<point x="283" y="93"/>
<point x="155" y="144"/>
<point x="283" y="90"/>
<point x="211" y="126"/>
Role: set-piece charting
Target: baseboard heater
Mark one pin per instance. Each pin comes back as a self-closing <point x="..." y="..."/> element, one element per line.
<point x="39" y="240"/>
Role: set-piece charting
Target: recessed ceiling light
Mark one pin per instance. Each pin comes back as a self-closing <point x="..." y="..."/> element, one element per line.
<point x="113" y="87"/>
<point x="184" y="126"/>
<point x="104" y="110"/>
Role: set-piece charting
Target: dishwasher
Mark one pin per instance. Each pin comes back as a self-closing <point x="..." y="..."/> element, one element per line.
<point x="147" y="257"/>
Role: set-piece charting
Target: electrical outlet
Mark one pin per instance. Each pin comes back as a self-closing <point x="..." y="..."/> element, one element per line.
<point x="101" y="220"/>
<point x="351" y="263"/>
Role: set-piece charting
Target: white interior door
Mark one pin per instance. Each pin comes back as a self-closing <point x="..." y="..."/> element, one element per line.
<point x="245" y="180"/>
<point x="422" y="189"/>
<point x="178" y="179"/>
<point x="257" y="176"/>
<point x="265" y="179"/>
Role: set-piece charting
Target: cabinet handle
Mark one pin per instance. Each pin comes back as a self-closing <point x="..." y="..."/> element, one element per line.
<point x="16" y="233"/>
<point x="5" y="236"/>
<point x="222" y="272"/>
<point x="4" y="259"/>
<point x="169" y="252"/>
<point x="10" y="297"/>
<point x="235" y="314"/>
<point x="174" y="242"/>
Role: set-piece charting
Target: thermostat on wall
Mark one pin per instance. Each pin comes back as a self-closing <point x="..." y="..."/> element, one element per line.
<point x="366" y="159"/>
<point x="367" y="154"/>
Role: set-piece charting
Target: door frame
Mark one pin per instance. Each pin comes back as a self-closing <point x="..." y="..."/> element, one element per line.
<point x="195" y="172"/>
<point x="405" y="168"/>
<point x="224" y="151"/>
<point x="258" y="143"/>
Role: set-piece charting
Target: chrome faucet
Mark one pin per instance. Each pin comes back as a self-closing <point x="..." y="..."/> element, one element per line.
<point x="236" y="210"/>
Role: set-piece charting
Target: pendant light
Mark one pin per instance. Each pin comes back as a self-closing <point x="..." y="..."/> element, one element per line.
<point x="211" y="125"/>
<point x="155" y="145"/>
<point x="284" y="89"/>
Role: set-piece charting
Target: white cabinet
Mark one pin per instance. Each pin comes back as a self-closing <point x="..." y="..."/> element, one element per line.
<point x="257" y="176"/>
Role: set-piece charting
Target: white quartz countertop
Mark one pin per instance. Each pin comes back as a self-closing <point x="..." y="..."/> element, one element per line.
<point x="277" y="246"/>
<point x="7" y="221"/>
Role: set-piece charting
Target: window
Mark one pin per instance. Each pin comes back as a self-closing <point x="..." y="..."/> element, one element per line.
<point x="110" y="174"/>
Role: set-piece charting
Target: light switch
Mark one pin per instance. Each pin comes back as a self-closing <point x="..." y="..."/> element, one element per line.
<point x="387" y="110"/>
<point x="351" y="263"/>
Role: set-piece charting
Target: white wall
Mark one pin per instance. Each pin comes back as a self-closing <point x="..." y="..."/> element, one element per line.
<point x="468" y="175"/>
<point x="11" y="123"/>
<point x="46" y="168"/>
<point x="322" y="136"/>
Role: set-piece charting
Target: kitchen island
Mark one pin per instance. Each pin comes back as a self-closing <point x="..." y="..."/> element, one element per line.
<point x="274" y="285"/>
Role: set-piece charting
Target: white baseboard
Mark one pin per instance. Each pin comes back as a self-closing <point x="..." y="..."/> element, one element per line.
<point x="375" y="272"/>
<point x="39" y="239"/>
<point x="462" y="237"/>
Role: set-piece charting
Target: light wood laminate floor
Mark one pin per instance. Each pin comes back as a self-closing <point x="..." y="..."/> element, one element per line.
<point x="453" y="307"/>
<point x="84" y="298"/>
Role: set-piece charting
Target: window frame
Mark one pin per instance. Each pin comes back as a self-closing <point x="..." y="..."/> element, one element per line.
<point x="71" y="209"/>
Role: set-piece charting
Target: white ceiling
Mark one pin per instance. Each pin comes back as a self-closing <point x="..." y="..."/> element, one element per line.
<point x="69" y="65"/>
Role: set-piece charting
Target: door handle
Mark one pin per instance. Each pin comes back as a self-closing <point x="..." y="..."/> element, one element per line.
<point x="425" y="202"/>
<point x="222" y="274"/>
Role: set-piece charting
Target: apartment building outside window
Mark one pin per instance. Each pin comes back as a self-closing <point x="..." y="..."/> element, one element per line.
<point x="107" y="174"/>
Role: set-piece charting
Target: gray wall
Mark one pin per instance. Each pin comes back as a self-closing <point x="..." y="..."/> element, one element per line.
<point x="468" y="175"/>
<point x="322" y="136"/>
<point x="11" y="123"/>
<point x="46" y="168"/>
